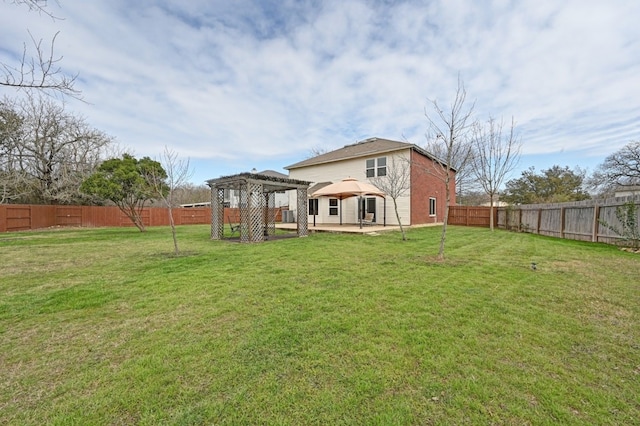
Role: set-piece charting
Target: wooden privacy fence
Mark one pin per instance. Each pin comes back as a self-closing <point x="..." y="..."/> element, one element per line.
<point x="22" y="217"/>
<point x="579" y="220"/>
<point x="471" y="215"/>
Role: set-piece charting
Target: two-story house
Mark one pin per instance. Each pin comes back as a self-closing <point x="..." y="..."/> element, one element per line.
<point x="368" y="160"/>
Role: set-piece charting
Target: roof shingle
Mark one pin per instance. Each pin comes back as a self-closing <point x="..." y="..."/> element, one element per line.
<point x="359" y="149"/>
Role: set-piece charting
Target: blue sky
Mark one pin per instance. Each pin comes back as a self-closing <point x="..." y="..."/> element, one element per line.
<point x="238" y="84"/>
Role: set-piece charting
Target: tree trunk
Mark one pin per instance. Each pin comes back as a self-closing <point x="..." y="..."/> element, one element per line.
<point x="134" y="215"/>
<point x="173" y="229"/>
<point x="395" y="207"/>
<point x="446" y="216"/>
<point x="137" y="220"/>
<point x="491" y="212"/>
<point x="443" y="237"/>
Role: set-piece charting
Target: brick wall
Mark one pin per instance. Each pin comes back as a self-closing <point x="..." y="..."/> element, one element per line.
<point x="426" y="183"/>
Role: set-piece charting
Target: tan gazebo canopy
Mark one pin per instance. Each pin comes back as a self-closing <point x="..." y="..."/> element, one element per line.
<point x="347" y="188"/>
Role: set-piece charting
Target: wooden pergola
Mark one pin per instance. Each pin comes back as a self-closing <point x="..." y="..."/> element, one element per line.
<point x="256" y="204"/>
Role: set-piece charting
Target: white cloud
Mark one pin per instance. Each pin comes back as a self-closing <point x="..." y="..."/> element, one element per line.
<point x="252" y="82"/>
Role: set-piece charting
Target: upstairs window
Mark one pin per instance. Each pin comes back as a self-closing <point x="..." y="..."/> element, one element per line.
<point x="376" y="167"/>
<point x="382" y="166"/>
<point x="371" y="168"/>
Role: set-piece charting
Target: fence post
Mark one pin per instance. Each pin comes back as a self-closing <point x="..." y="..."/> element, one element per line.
<point x="562" y="221"/>
<point x="3" y="218"/>
<point x="596" y="223"/>
<point x="507" y="213"/>
<point x="519" y="219"/>
<point x="539" y="220"/>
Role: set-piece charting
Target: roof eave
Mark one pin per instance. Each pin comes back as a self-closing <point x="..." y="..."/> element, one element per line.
<point x="351" y="157"/>
<point x="424" y="153"/>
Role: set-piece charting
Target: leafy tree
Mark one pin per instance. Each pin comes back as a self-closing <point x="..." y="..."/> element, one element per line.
<point x="554" y="185"/>
<point x="449" y="142"/>
<point x="495" y="155"/>
<point x="618" y="169"/>
<point x="128" y="183"/>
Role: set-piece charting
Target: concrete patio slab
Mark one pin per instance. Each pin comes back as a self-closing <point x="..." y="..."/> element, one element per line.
<point x="351" y="228"/>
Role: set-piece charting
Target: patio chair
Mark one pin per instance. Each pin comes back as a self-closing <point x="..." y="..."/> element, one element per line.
<point x="368" y="219"/>
<point x="235" y="227"/>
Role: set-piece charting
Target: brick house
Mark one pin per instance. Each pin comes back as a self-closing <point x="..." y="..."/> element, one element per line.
<point x="423" y="203"/>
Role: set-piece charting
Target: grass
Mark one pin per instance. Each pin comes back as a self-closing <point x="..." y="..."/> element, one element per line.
<point x="105" y="326"/>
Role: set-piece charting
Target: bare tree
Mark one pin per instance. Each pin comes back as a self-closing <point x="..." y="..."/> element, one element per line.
<point x="39" y="6"/>
<point x="496" y="154"/>
<point x="41" y="69"/>
<point x="622" y="168"/>
<point x="50" y="154"/>
<point x="178" y="173"/>
<point x="472" y="198"/>
<point x="317" y="150"/>
<point x="448" y="141"/>
<point x="395" y="184"/>
<point x="11" y="124"/>
<point x="190" y="193"/>
<point x="466" y="184"/>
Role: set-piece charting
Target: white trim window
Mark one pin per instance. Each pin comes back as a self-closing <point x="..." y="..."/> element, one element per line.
<point x="333" y="207"/>
<point x="432" y="206"/>
<point x="376" y="167"/>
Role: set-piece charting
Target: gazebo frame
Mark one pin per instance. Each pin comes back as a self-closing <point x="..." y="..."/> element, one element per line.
<point x="256" y="204"/>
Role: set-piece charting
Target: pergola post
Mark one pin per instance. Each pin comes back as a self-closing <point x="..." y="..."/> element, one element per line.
<point x="302" y="217"/>
<point x="243" y="206"/>
<point x="217" y="213"/>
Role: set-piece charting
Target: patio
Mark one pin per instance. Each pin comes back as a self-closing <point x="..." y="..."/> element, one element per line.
<point x="351" y="228"/>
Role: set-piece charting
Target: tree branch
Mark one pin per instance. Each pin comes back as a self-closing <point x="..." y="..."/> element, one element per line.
<point x="40" y="71"/>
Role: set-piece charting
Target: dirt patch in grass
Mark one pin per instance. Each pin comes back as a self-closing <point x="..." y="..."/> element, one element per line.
<point x="630" y="250"/>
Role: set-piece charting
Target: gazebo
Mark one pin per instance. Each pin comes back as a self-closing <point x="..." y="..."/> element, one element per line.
<point x="256" y="204"/>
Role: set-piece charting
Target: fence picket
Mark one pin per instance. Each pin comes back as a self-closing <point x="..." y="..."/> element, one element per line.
<point x="19" y="217"/>
<point x="578" y="220"/>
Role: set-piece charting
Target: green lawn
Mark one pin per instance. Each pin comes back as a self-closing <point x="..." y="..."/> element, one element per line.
<point x="105" y="326"/>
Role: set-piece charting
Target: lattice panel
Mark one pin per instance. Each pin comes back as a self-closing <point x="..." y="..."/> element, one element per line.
<point x="217" y="213"/>
<point x="243" y="199"/>
<point x="303" y="219"/>
<point x="270" y="213"/>
<point x="256" y="217"/>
